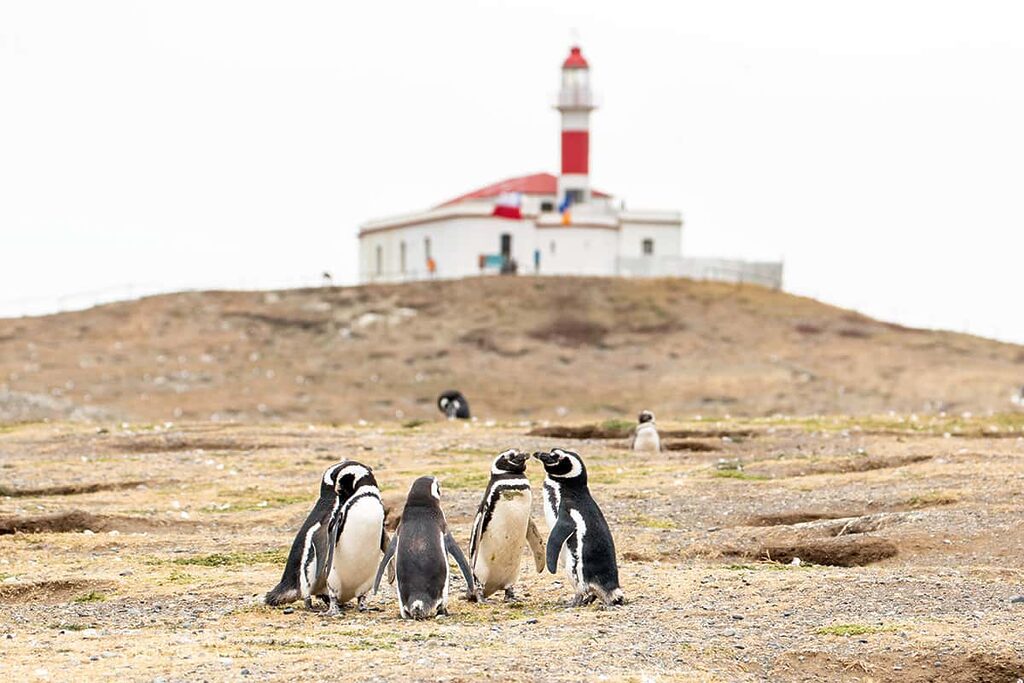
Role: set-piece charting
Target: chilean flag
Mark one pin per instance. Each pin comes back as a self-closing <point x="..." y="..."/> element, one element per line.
<point x="509" y="205"/>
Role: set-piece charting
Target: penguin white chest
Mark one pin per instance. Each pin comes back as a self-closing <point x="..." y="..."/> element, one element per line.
<point x="647" y="439"/>
<point x="500" y="550"/>
<point x="358" y="551"/>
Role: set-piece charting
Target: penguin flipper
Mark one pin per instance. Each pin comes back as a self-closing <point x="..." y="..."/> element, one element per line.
<point x="474" y="538"/>
<point x="455" y="551"/>
<point x="323" y="551"/>
<point x="563" y="529"/>
<point x="536" y="542"/>
<point x="384" y="543"/>
<point x="389" y="555"/>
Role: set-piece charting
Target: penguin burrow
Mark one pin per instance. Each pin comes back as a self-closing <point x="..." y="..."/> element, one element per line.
<point x="419" y="551"/>
<point x="580" y="538"/>
<point x="502" y="526"/>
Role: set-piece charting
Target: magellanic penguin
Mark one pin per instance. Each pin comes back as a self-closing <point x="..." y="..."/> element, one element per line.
<point x="454" y="405"/>
<point x="645" y="435"/>
<point x="502" y="525"/>
<point x="305" y="572"/>
<point x="579" y="533"/>
<point x="358" y="536"/>
<point x="420" y="550"/>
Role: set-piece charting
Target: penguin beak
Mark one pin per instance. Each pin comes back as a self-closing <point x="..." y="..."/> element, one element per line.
<point x="544" y="457"/>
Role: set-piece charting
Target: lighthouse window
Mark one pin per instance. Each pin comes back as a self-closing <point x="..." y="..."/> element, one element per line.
<point x="648" y="247"/>
<point x="552" y="246"/>
<point x="547" y="206"/>
<point x="574" y="196"/>
<point x="401" y="255"/>
<point x="426" y="247"/>
<point x="380" y="259"/>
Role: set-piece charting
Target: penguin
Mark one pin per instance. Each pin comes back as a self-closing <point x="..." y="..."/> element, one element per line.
<point x="502" y="525"/>
<point x="454" y="405"/>
<point x="420" y="550"/>
<point x="358" y="536"/>
<point x="309" y="560"/>
<point x="645" y="435"/>
<point x="579" y="536"/>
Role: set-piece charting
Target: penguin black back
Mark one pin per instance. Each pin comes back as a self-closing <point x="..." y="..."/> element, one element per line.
<point x="579" y="529"/>
<point x="288" y="589"/>
<point x="420" y="550"/>
<point x="453" y="404"/>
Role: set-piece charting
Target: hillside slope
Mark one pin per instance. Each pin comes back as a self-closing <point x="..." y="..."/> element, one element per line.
<point x="518" y="347"/>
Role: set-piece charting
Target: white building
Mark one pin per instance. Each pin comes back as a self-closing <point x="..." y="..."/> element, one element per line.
<point x="541" y="223"/>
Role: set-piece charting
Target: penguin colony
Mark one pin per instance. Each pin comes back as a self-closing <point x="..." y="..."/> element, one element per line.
<point x="342" y="551"/>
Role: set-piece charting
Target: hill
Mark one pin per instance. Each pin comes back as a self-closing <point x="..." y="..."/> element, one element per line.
<point x="517" y="347"/>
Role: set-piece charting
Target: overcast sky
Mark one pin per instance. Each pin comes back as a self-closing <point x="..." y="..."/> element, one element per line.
<point x="876" y="147"/>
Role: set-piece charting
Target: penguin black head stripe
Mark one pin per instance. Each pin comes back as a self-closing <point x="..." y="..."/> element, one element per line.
<point x="349" y="476"/>
<point x="510" y="462"/>
<point x="645" y="416"/>
<point x="563" y="465"/>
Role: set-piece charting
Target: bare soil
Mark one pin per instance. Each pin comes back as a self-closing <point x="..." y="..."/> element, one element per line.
<point x="517" y="347"/>
<point x="139" y="552"/>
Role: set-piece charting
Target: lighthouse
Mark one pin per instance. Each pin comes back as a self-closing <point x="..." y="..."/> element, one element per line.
<point x="542" y="223"/>
<point x="575" y="102"/>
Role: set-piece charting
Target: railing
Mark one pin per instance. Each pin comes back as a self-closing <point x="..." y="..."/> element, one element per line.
<point x="764" y="273"/>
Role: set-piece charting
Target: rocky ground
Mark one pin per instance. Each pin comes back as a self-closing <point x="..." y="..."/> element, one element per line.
<point x="762" y="549"/>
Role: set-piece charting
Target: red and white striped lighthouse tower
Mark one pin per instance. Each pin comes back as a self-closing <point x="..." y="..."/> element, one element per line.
<point x="575" y="102"/>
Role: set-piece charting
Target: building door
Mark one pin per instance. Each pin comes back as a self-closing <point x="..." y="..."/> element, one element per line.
<point x="506" y="252"/>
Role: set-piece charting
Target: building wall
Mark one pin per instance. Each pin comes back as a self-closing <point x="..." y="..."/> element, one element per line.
<point x="456" y="245"/>
<point x="667" y="239"/>
<point x="577" y="250"/>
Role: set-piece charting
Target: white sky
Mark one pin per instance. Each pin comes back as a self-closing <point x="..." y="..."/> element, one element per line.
<point x="878" y="147"/>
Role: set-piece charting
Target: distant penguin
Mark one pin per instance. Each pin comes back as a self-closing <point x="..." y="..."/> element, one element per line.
<point x="454" y="405"/>
<point x="645" y="434"/>
<point x="420" y="550"/>
<point x="579" y="534"/>
<point x="503" y="525"/>
<point x="305" y="571"/>
<point x="358" y="536"/>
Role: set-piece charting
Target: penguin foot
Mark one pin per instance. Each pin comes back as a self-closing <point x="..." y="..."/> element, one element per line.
<point x="361" y="604"/>
<point x="510" y="595"/>
<point x="582" y="599"/>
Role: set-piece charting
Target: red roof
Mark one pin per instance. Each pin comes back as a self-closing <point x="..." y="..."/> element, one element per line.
<point x="538" y="183"/>
<point x="575" y="59"/>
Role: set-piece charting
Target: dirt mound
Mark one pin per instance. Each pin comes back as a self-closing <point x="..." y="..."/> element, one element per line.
<point x="850" y="464"/>
<point x="842" y="551"/>
<point x="692" y="446"/>
<point x="526" y="347"/>
<point x="78" y="520"/>
<point x="957" y="667"/>
<point x="792" y="517"/>
<point x="47" y="592"/>
<point x="69" y="489"/>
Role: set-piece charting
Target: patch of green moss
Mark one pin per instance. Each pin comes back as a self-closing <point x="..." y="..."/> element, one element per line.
<point x="91" y="596"/>
<point x="847" y="630"/>
<point x="738" y="474"/>
<point x="243" y="502"/>
<point x="64" y="626"/>
<point x="232" y="559"/>
<point x="413" y="424"/>
<point x="465" y="480"/>
<point x="653" y="522"/>
<point x="618" y="425"/>
<point x="933" y="499"/>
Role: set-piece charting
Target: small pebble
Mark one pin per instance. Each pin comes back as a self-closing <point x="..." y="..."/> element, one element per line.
<point x="1017" y="599"/>
<point x="289" y="610"/>
<point x="737" y="616"/>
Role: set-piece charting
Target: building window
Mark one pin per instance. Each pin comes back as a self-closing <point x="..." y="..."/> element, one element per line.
<point x="380" y="259"/>
<point x="401" y="256"/>
<point x="648" y="247"/>
<point x="426" y="248"/>
<point x="552" y="246"/>
<point x="547" y="206"/>
<point x="574" y="196"/>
